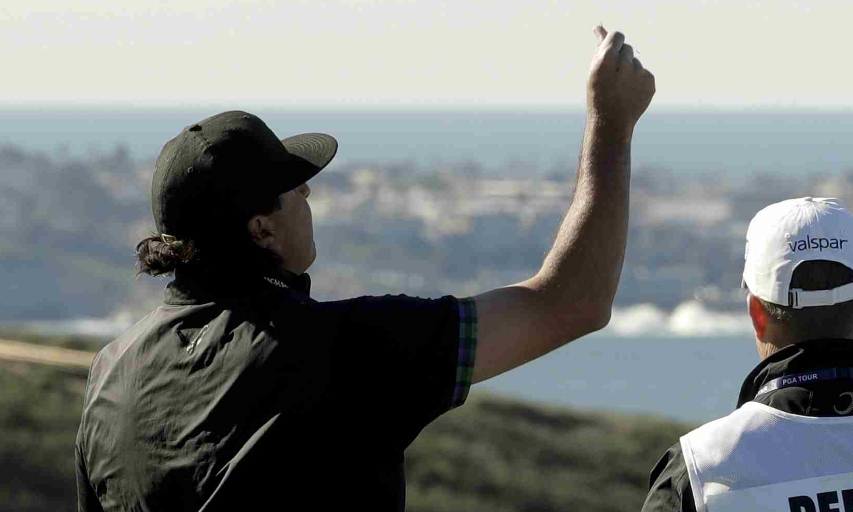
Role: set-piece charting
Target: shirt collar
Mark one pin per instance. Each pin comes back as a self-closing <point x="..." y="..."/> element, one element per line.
<point x="287" y="280"/>
<point x="193" y="286"/>
<point x="801" y="357"/>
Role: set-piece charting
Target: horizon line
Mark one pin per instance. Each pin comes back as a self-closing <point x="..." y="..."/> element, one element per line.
<point x="406" y="107"/>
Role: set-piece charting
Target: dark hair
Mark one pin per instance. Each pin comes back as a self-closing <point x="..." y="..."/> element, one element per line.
<point x="834" y="321"/>
<point x="228" y="247"/>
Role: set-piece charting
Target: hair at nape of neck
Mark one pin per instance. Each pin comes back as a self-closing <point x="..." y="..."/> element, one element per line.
<point x="835" y="321"/>
<point x="162" y="254"/>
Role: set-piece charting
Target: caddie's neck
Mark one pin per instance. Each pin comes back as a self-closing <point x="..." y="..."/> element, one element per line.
<point x="770" y="335"/>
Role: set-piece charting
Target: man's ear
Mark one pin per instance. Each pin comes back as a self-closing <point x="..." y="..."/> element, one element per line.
<point x="760" y="317"/>
<point x="260" y="230"/>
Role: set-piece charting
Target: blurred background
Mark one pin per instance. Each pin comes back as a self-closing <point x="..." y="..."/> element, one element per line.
<point x="459" y="126"/>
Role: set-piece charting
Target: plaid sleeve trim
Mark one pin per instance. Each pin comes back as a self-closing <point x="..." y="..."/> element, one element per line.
<point x="467" y="351"/>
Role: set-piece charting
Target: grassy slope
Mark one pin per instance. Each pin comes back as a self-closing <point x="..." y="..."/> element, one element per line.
<point x="501" y="455"/>
<point x="39" y="413"/>
<point x="492" y="454"/>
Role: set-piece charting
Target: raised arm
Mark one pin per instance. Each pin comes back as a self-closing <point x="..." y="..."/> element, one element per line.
<point x="572" y="294"/>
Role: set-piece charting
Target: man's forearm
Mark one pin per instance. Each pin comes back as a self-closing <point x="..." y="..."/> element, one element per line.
<point x="573" y="292"/>
<point x="578" y="278"/>
<point x="584" y="265"/>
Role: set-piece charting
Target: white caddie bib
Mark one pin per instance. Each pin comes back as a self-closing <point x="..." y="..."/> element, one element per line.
<point x="760" y="459"/>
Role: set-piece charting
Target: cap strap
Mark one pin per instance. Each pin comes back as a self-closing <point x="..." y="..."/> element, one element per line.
<point x="804" y="299"/>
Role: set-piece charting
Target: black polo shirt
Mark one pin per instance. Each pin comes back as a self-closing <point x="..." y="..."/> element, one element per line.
<point x="248" y="393"/>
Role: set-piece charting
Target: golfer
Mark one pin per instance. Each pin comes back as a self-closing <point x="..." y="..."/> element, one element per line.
<point x="241" y="392"/>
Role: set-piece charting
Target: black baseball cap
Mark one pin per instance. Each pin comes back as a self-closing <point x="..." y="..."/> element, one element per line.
<point x="227" y="168"/>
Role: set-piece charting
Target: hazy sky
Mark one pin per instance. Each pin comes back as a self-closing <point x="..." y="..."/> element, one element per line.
<point x="190" y="52"/>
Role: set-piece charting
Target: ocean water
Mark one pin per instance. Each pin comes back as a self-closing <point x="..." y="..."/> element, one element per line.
<point x="693" y="379"/>
<point x="692" y="376"/>
<point x="508" y="141"/>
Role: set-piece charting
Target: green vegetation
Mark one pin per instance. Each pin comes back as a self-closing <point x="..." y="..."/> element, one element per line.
<point x="495" y="454"/>
<point x="40" y="412"/>
<point x="70" y="341"/>
<point x="492" y="454"/>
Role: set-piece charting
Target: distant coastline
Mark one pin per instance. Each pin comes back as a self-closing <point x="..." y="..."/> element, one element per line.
<point x="503" y="141"/>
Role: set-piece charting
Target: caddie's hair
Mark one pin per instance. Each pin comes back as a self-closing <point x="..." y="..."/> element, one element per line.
<point x="230" y="249"/>
<point x="834" y="321"/>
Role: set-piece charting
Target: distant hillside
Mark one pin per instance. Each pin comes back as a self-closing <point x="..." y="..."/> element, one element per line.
<point x="492" y="454"/>
<point x="41" y="408"/>
<point x="495" y="454"/>
<point x="69" y="225"/>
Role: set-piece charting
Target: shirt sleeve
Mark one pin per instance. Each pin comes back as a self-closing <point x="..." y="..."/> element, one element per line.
<point x="87" y="501"/>
<point x="87" y="498"/>
<point x="467" y="351"/>
<point x="402" y="360"/>
<point x="669" y="484"/>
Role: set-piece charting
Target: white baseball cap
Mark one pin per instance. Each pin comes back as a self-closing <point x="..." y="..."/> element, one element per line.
<point x="785" y="234"/>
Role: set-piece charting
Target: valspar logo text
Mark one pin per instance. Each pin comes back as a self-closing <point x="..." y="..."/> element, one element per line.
<point x="816" y="243"/>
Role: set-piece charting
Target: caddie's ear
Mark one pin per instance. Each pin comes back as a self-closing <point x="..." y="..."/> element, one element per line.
<point x="760" y="317"/>
<point x="261" y="231"/>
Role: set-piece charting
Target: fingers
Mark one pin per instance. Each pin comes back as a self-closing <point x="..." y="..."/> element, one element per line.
<point x="627" y="59"/>
<point x="651" y="78"/>
<point x="626" y="54"/>
<point x="613" y="42"/>
<point x="618" y="86"/>
<point x="609" y="47"/>
<point x="600" y="34"/>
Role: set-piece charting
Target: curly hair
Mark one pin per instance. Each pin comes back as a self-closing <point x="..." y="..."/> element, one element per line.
<point x="156" y="256"/>
<point x="228" y="245"/>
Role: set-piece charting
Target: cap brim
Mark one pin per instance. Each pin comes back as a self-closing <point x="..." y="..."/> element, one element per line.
<point x="315" y="149"/>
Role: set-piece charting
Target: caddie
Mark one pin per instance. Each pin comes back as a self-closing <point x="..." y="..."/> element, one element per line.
<point x="789" y="444"/>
